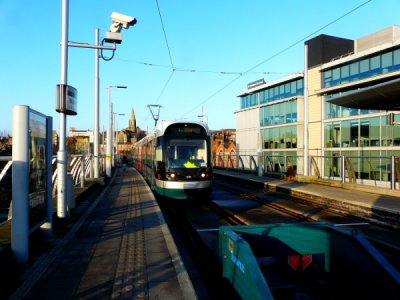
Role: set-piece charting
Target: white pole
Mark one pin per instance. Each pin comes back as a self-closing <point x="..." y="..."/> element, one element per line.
<point x="62" y="153"/>
<point x="20" y="188"/>
<point x="305" y="132"/>
<point x="96" y="108"/>
<point x="47" y="227"/>
<point x="109" y="137"/>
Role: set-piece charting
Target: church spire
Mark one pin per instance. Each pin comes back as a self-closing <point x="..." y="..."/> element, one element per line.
<point x="132" y="121"/>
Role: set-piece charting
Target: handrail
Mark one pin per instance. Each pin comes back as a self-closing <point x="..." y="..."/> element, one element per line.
<point x="384" y="172"/>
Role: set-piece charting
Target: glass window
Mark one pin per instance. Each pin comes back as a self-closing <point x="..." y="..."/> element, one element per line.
<point x="354" y="68"/>
<point x="374" y="131"/>
<point x="293" y="88"/>
<point x="328" y="135"/>
<point x="354" y="139"/>
<point x="327" y="78"/>
<point x="375" y="62"/>
<point x="364" y="133"/>
<point x="345" y="73"/>
<point x="335" y="74"/>
<point x="299" y="87"/>
<point x="345" y="130"/>
<point x="387" y="61"/>
<point x="364" y="66"/>
<point x="187" y="153"/>
<point x="396" y="57"/>
<point x="386" y="132"/>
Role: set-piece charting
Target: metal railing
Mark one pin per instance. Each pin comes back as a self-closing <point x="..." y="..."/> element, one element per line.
<point x="380" y="171"/>
<point x="270" y="165"/>
<point x="80" y="168"/>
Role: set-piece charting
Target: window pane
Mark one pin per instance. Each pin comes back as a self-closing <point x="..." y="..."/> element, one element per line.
<point x="364" y="65"/>
<point x="354" y="69"/>
<point x="336" y="74"/>
<point x="387" y="60"/>
<point x="345" y="71"/>
<point x="374" y="132"/>
<point x="345" y="133"/>
<point x="396" y="57"/>
<point x="375" y="62"/>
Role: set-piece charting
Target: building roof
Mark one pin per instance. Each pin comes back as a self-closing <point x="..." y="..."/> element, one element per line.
<point x="382" y="96"/>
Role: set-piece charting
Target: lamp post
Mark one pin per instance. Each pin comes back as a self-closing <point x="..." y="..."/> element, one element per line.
<point x="110" y="133"/>
<point x="116" y="135"/>
<point x="114" y="37"/>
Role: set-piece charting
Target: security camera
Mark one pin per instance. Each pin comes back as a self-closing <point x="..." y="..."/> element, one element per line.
<point x="120" y="20"/>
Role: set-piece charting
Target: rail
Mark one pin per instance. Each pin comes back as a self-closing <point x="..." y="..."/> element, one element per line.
<point x="80" y="168"/>
<point x="380" y="171"/>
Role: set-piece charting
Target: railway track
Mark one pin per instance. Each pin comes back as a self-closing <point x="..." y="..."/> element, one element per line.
<point x="197" y="225"/>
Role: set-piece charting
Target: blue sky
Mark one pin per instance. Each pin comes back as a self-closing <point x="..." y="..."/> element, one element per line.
<point x="210" y="43"/>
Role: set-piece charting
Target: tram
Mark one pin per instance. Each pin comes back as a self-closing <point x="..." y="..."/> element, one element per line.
<point x="176" y="160"/>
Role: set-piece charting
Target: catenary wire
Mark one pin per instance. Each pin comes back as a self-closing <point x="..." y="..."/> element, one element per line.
<point x="275" y="55"/>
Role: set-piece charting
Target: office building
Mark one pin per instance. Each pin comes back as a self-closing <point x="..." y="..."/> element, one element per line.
<point x="339" y="115"/>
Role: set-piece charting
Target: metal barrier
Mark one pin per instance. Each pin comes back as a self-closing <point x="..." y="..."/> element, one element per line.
<point x="80" y="166"/>
<point x="381" y="171"/>
<point x="377" y="171"/>
<point x="275" y="164"/>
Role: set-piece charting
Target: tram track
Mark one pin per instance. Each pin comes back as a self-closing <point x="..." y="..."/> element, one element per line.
<point x="199" y="224"/>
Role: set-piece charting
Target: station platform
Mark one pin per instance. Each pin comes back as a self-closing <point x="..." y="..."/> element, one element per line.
<point x="120" y="247"/>
<point x="379" y="205"/>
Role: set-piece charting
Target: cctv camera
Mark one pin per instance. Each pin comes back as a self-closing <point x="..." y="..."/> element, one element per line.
<point x="121" y="20"/>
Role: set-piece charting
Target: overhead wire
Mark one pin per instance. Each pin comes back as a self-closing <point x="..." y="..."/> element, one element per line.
<point x="276" y="54"/>
<point x="169" y="54"/>
<point x="193" y="70"/>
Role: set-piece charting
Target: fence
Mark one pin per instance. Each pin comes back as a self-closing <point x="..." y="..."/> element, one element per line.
<point x="377" y="171"/>
<point x="80" y="167"/>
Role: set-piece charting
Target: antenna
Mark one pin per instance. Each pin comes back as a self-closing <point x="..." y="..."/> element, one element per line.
<point x="155" y="112"/>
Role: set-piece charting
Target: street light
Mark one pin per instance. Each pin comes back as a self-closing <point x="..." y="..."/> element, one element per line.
<point x="115" y="37"/>
<point x="109" y="154"/>
<point x="116" y="136"/>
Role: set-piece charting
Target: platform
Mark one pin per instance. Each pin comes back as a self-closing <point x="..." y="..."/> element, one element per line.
<point x="121" y="247"/>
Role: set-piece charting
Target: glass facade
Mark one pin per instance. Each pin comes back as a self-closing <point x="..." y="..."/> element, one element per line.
<point x="367" y="164"/>
<point x="364" y="132"/>
<point x="283" y="137"/>
<point x="285" y="90"/>
<point x="279" y="113"/>
<point x="361" y="69"/>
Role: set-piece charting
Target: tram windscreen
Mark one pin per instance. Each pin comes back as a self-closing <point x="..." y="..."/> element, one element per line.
<point x="184" y="153"/>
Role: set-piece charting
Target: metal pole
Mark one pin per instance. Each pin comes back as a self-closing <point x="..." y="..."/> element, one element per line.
<point x="96" y="108"/>
<point x="392" y="173"/>
<point x="342" y="166"/>
<point x="20" y="187"/>
<point x="83" y="171"/>
<point x="62" y="154"/>
<point x="305" y="126"/>
<point x="47" y="227"/>
<point x="109" y="136"/>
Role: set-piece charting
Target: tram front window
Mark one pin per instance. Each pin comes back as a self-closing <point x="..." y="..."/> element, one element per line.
<point x="187" y="153"/>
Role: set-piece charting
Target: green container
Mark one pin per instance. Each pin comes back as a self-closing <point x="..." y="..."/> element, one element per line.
<point x="315" y="260"/>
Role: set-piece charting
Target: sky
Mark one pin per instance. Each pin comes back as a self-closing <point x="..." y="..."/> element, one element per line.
<point x="191" y="57"/>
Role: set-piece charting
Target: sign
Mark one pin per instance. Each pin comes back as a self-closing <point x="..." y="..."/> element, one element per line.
<point x="255" y="83"/>
<point x="37" y="167"/>
<point x="67" y="99"/>
<point x="300" y="262"/>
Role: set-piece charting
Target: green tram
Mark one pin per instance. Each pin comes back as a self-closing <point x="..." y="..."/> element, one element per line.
<point x="176" y="160"/>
